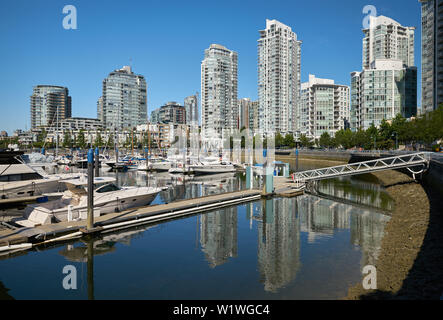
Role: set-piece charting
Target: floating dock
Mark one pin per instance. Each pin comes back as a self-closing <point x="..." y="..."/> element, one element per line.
<point x="25" y="238"/>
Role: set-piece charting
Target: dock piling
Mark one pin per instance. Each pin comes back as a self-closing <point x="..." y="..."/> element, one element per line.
<point x="90" y="224"/>
<point x="97" y="162"/>
<point x="249" y="178"/>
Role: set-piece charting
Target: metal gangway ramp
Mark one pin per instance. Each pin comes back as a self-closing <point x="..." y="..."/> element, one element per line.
<point x="395" y="162"/>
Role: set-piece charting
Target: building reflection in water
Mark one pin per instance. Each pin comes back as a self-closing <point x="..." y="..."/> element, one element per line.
<point x="218" y="230"/>
<point x="218" y="236"/>
<point x="321" y="217"/>
<point x="278" y="243"/>
<point x="358" y="190"/>
<point x="279" y="221"/>
<point x="367" y="232"/>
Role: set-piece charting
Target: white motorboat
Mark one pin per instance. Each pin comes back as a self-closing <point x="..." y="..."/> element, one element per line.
<point x="154" y="164"/>
<point x="160" y="165"/>
<point x="212" y="166"/>
<point x="72" y="206"/>
<point x="179" y="169"/>
<point x="21" y="180"/>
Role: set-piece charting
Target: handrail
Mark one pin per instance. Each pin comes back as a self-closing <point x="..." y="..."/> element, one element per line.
<point x="400" y="161"/>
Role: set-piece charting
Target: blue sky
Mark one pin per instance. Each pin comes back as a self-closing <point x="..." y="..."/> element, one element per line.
<point x="165" y="40"/>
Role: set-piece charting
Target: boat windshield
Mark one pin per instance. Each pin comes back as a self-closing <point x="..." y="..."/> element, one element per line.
<point x="107" y="188"/>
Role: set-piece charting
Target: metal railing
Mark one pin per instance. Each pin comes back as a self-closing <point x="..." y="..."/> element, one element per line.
<point x="396" y="162"/>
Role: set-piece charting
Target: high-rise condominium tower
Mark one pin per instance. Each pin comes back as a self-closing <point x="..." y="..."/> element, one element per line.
<point x="387" y="39"/>
<point x="244" y="105"/>
<point x="324" y="107"/>
<point x="191" y="106"/>
<point x="124" y="99"/>
<point x="382" y="92"/>
<point x="218" y="92"/>
<point x="279" y="55"/>
<point x="387" y="85"/>
<point x="100" y="109"/>
<point x="49" y="104"/>
<point x="171" y="112"/>
<point x="431" y="54"/>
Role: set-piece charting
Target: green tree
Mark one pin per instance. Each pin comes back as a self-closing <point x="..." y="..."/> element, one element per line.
<point x="345" y="139"/>
<point x="325" y="140"/>
<point x="360" y="138"/>
<point x="305" y="141"/>
<point x="289" y="140"/>
<point x="372" y="137"/>
<point x="98" y="140"/>
<point x="399" y="127"/>
<point x="67" y="140"/>
<point x="81" y="141"/>
<point x="279" y="140"/>
<point x="110" y="142"/>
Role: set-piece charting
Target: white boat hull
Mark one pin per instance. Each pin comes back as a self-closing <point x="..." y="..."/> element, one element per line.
<point x="112" y="206"/>
<point x="27" y="188"/>
<point x="212" y="169"/>
<point x="103" y="203"/>
<point x="160" y="166"/>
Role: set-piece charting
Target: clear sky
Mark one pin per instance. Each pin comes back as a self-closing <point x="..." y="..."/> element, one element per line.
<point x="165" y="40"/>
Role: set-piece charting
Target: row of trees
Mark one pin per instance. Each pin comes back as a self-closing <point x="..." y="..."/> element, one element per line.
<point x="426" y="130"/>
<point x="80" y="141"/>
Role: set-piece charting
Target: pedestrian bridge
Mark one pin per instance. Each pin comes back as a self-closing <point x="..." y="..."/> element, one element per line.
<point x="408" y="161"/>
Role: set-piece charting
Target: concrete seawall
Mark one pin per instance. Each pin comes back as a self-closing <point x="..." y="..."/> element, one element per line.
<point x="333" y="156"/>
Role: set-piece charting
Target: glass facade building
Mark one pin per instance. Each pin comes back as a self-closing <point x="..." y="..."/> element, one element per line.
<point x="124" y="99"/>
<point x="49" y="105"/>
<point x="324" y="107"/>
<point x="387" y="39"/>
<point x="171" y="112"/>
<point x="382" y="92"/>
<point x="219" y="83"/>
<point x="387" y="86"/>
<point x="191" y="106"/>
<point x="432" y="54"/>
<point x="279" y="58"/>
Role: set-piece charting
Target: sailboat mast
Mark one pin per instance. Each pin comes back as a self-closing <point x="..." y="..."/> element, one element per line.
<point x="56" y="139"/>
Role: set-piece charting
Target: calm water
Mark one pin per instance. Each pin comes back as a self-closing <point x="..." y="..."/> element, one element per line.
<point x="308" y="247"/>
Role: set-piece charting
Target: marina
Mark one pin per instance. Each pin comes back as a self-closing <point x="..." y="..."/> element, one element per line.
<point x="219" y="214"/>
<point x="83" y="211"/>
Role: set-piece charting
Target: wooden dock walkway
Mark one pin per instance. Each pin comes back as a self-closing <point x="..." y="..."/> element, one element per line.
<point x="285" y="187"/>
